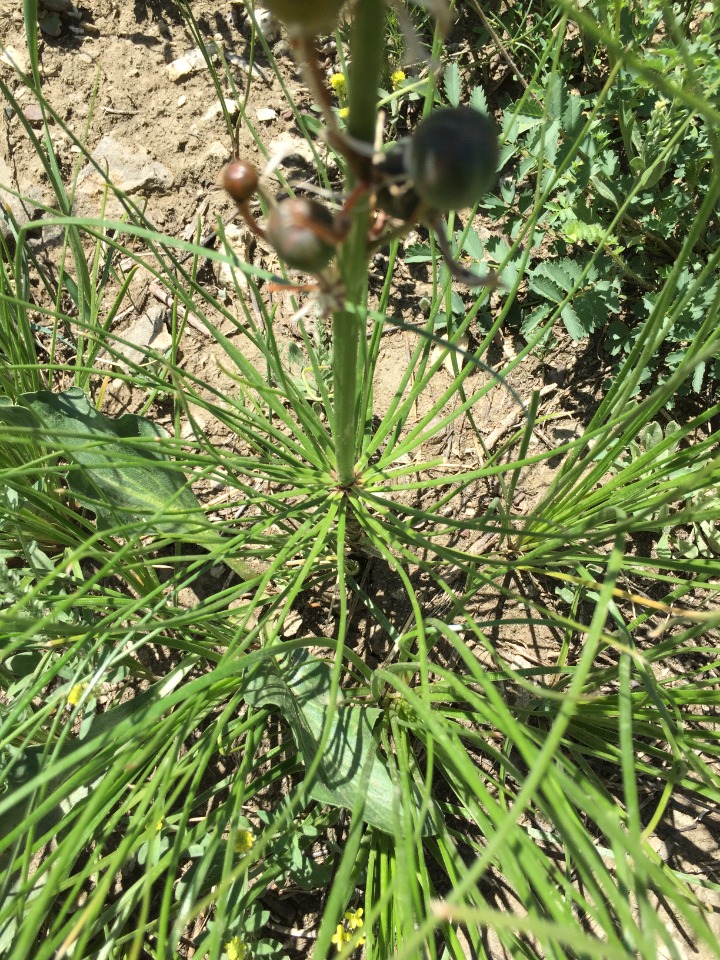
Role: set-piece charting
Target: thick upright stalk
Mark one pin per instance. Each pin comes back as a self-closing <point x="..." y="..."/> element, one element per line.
<point x="366" y="64"/>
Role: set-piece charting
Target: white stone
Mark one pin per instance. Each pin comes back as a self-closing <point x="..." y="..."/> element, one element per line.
<point x="17" y="59"/>
<point x="217" y="149"/>
<point x="267" y="24"/>
<point x="237" y="61"/>
<point x="191" y="62"/>
<point x="147" y="333"/>
<point x="266" y="114"/>
<point x="241" y="241"/>
<point x="129" y="167"/>
<point x="216" y="109"/>
<point x="23" y="210"/>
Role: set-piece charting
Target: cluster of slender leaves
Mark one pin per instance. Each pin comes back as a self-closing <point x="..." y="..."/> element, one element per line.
<point x="166" y="762"/>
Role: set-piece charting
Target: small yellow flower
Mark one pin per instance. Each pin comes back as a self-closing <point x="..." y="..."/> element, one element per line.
<point x="235" y="949"/>
<point x="337" y="82"/>
<point x="244" y="841"/>
<point x="340" y="937"/>
<point x="160" y="824"/>
<point x="344" y="112"/>
<point x="73" y="698"/>
<point x="662" y="104"/>
<point x="398" y="77"/>
<point x="354" y="918"/>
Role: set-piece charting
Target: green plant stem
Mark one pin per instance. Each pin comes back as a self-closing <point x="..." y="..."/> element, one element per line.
<point x="367" y="58"/>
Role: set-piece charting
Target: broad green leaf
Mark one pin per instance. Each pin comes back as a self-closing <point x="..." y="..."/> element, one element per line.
<point x="115" y="467"/>
<point x="299" y="686"/>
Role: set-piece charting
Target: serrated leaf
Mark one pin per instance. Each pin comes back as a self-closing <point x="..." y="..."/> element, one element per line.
<point x="479" y="100"/>
<point x="524" y="122"/>
<point x="452" y="84"/>
<point x="351" y="768"/>
<point x="564" y="273"/>
<point x="417" y="253"/>
<point x="551" y="144"/>
<point x="529" y="115"/>
<point x="534" y="318"/>
<point x="546" y="287"/>
<point x="572" y="323"/>
<point x="556" y="94"/>
<point x="457" y="305"/>
<point x="698" y="376"/>
<point x="591" y="305"/>
<point x="590" y="310"/>
<point x="473" y="245"/>
<point x="572" y="119"/>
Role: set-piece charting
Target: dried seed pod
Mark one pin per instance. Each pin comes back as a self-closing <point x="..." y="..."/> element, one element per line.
<point x="301" y="231"/>
<point x="240" y="178"/>
<point x="452" y="158"/>
<point x="306" y="18"/>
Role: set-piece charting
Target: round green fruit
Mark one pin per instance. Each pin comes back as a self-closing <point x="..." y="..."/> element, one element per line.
<point x="396" y="194"/>
<point x="299" y="229"/>
<point x="306" y="18"/>
<point x="452" y="158"/>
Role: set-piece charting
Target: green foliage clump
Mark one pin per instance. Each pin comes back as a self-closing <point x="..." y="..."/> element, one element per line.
<point x="441" y="657"/>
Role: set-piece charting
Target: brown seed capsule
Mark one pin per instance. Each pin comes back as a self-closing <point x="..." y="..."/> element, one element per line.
<point x="306" y="18"/>
<point x="396" y="194"/>
<point x="241" y="180"/>
<point x="300" y="229"/>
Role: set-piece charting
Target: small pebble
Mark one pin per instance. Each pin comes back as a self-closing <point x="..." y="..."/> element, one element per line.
<point x="181" y="101"/>
<point x="33" y="113"/>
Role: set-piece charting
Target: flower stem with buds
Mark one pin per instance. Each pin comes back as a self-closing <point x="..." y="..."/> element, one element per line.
<point x="367" y="58"/>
